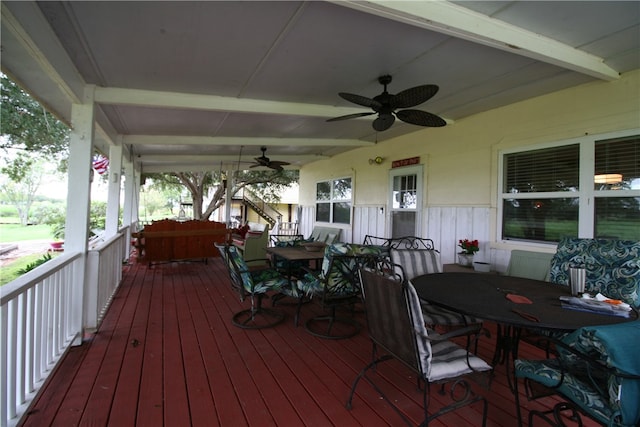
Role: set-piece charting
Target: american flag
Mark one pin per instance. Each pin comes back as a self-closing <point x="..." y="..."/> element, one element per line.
<point x="100" y="164"/>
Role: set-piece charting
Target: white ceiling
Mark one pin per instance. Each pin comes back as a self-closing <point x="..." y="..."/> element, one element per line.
<point x="182" y="85"/>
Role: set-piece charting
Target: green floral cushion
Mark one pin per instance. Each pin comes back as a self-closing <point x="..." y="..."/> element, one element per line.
<point x="612" y="266"/>
<point x="605" y="397"/>
<point x="338" y="274"/>
<point x="256" y="281"/>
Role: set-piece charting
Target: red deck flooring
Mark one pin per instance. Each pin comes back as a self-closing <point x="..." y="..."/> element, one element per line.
<point x="167" y="354"/>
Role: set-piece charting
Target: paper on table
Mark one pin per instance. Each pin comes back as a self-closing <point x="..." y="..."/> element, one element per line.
<point x="594" y="306"/>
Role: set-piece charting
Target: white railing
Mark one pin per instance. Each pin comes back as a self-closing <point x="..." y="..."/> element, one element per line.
<point x="40" y="317"/>
<point x="47" y="310"/>
<point x="104" y="274"/>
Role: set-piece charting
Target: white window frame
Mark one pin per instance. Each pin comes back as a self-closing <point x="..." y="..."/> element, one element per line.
<point x="331" y="201"/>
<point x="586" y="193"/>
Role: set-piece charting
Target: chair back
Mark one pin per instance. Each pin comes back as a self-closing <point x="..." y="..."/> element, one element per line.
<point x="411" y="242"/>
<point x="416" y="262"/>
<point x="615" y="346"/>
<point x="612" y="266"/>
<point x="529" y="264"/>
<point x="340" y="267"/>
<point x="394" y="317"/>
<point x="228" y="253"/>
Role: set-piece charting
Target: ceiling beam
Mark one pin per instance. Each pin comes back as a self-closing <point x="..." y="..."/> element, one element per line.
<point x="215" y="158"/>
<point x="149" y="98"/>
<point x="241" y="141"/>
<point x="458" y="21"/>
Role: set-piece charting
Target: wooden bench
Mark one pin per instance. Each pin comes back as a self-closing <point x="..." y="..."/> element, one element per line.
<point x="169" y="240"/>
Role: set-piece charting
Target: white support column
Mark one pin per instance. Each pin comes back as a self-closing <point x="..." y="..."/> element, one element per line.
<point x="130" y="199"/>
<point x="228" y="196"/>
<point x="79" y="200"/>
<point x="113" y="197"/>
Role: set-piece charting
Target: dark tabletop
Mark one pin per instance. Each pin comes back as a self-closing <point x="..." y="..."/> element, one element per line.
<point x="296" y="253"/>
<point x="484" y="296"/>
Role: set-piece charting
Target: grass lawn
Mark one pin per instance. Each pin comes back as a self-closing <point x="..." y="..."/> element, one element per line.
<point x="18" y="233"/>
<point x="9" y="272"/>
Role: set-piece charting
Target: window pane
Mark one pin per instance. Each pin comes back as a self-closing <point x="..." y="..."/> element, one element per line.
<point x="617" y="218"/>
<point x="323" y="212"/>
<point x="342" y="189"/>
<point x="405" y="194"/>
<point x="342" y="213"/>
<point x="617" y="165"/>
<point x="549" y="169"/>
<point x="545" y="220"/>
<point x="323" y="190"/>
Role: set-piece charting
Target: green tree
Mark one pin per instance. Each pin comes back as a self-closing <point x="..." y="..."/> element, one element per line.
<point x="27" y="126"/>
<point x="268" y="184"/>
<point x="21" y="179"/>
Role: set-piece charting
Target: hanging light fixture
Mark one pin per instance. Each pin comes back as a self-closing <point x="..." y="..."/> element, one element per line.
<point x="608" y="178"/>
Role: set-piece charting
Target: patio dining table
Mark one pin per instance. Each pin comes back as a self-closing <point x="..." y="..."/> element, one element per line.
<point x="495" y="298"/>
<point x="291" y="254"/>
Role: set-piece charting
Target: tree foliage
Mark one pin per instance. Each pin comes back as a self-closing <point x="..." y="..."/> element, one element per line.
<point x="26" y="125"/>
<point x="268" y="184"/>
<point x="31" y="138"/>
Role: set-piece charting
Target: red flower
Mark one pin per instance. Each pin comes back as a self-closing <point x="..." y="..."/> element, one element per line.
<point x="469" y="246"/>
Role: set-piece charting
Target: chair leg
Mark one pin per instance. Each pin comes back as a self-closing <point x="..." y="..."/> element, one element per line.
<point x="350" y="325"/>
<point x="257" y="317"/>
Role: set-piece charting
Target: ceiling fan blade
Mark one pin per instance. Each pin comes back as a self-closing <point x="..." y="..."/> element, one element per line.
<point x="360" y="100"/>
<point x="383" y="122"/>
<point x="278" y="163"/>
<point x="413" y="96"/>
<point x="349" y="116"/>
<point x="276" y="167"/>
<point x="420" y="118"/>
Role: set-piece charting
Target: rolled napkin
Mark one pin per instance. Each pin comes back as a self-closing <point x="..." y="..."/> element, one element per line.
<point x="518" y="299"/>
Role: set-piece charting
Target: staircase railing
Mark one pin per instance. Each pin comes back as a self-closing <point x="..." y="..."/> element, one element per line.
<point x="262" y="208"/>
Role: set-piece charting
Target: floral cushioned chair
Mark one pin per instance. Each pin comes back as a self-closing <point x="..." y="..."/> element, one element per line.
<point x="254" y="283"/>
<point x="338" y="285"/>
<point x="612" y="266"/>
<point x="597" y="371"/>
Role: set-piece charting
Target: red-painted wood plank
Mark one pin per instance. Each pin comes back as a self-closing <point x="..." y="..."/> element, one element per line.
<point x="191" y="366"/>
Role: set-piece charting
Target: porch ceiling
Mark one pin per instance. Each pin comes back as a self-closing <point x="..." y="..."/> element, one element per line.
<point x="182" y="85"/>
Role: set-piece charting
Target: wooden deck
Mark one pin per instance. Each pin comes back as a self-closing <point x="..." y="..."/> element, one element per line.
<point x="167" y="354"/>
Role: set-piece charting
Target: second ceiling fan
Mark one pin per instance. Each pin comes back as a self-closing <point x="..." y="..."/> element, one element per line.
<point x="264" y="161"/>
<point x="386" y="104"/>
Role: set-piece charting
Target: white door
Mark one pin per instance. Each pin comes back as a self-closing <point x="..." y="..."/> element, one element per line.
<point x="405" y="200"/>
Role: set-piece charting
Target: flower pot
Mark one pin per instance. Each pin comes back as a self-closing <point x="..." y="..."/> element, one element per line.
<point x="483" y="267"/>
<point x="465" y="260"/>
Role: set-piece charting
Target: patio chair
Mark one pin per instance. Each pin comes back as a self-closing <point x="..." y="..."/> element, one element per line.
<point x="416" y="259"/>
<point x="597" y="373"/>
<point x="253" y="283"/>
<point x="397" y="330"/>
<point x="337" y="285"/>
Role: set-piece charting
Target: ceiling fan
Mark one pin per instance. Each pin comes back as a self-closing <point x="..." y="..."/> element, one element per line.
<point x="264" y="161"/>
<point x="386" y="104"/>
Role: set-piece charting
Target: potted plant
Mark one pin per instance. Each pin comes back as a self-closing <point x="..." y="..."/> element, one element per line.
<point x="469" y="248"/>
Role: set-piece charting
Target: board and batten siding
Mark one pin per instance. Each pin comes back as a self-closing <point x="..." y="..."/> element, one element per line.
<point x="445" y="225"/>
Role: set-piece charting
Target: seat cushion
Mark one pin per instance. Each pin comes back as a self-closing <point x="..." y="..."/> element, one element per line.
<point x="548" y="373"/>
